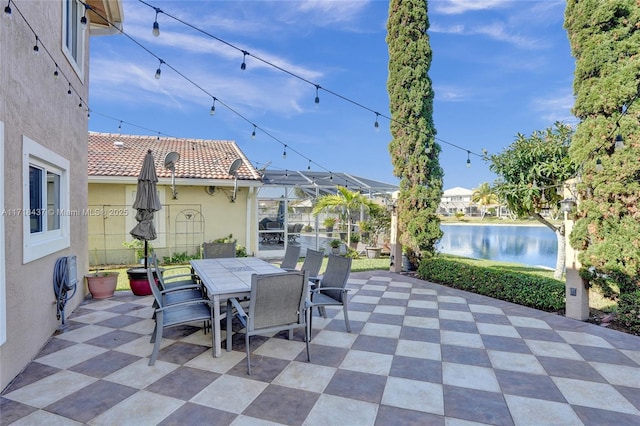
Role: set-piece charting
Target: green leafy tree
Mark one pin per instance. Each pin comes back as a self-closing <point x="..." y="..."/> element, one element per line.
<point x="414" y="151"/>
<point x="530" y="172"/>
<point x="605" y="42"/>
<point x="344" y="202"/>
<point x="484" y="196"/>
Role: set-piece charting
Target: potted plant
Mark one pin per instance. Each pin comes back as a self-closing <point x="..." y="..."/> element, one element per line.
<point x="355" y="239"/>
<point x="102" y="284"/>
<point x="329" y="223"/>
<point x="335" y="246"/>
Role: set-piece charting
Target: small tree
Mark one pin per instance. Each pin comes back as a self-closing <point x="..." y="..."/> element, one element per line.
<point x="344" y="202"/>
<point x="531" y="170"/>
<point x="484" y="196"/>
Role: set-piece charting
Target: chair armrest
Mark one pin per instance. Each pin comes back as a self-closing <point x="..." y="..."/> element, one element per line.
<point x="181" y="288"/>
<point x="319" y="289"/>
<point x="236" y="304"/>
<point x="186" y="303"/>
<point x="291" y="269"/>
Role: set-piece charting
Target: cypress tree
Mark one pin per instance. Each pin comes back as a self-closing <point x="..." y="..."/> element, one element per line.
<point x="414" y="151"/>
<point x="605" y="41"/>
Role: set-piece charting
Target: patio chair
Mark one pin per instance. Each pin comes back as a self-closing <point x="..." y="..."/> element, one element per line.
<point x="278" y="302"/>
<point x="176" y="288"/>
<point x="294" y="231"/>
<point x="218" y="250"/>
<point x="332" y="290"/>
<point x="170" y="315"/>
<point x="291" y="256"/>
<point x="312" y="264"/>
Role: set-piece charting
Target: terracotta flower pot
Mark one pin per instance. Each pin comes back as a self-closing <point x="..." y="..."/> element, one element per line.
<point x="102" y="284"/>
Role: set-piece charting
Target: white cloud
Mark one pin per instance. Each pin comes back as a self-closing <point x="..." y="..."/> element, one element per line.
<point x="454" y="7"/>
<point x="449" y="93"/>
<point x="326" y="12"/>
<point x="556" y="107"/>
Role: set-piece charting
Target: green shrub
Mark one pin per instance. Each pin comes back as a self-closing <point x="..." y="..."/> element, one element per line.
<point x="541" y="293"/>
<point x="179" y="258"/>
<point x="629" y="311"/>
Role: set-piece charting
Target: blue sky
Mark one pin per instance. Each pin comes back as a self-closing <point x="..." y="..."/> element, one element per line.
<point x="499" y="68"/>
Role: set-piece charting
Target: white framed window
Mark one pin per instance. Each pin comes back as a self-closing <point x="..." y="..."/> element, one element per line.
<point x="45" y="201"/>
<point x="73" y="34"/>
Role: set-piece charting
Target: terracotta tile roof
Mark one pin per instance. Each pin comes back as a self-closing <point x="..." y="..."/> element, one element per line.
<point x="118" y="155"/>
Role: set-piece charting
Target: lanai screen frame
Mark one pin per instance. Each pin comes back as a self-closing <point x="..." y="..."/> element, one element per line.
<point x="317" y="184"/>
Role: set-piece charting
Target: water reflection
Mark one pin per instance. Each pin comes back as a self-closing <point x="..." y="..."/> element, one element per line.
<point x="528" y="245"/>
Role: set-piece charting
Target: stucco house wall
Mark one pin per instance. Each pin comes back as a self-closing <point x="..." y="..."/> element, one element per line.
<point x="203" y="209"/>
<point x="38" y="119"/>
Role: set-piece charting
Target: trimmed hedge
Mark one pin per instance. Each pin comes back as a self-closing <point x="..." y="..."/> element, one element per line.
<point x="536" y="292"/>
<point x="629" y="311"/>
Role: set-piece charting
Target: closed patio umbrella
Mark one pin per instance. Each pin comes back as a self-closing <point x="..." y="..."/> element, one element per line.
<point x="146" y="203"/>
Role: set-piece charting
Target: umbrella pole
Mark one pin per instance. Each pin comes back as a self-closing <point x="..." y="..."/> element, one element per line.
<point x="145" y="254"/>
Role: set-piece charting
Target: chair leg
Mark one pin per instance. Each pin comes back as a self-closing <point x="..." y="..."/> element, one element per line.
<point x="157" y="337"/>
<point x="307" y="336"/>
<point x="346" y="316"/>
<point x="246" y="344"/>
<point x="229" y="326"/>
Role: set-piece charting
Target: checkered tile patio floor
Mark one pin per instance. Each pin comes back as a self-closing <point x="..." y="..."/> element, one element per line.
<point x="418" y="354"/>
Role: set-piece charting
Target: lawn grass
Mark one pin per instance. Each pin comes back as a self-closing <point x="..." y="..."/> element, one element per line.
<point x="596" y="299"/>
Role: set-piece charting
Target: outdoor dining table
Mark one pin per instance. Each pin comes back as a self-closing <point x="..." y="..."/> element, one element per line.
<point x="229" y="277"/>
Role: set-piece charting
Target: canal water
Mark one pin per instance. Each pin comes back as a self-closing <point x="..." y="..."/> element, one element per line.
<point x="528" y="245"/>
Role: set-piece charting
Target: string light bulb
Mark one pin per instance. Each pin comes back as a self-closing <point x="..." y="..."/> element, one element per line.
<point x="83" y="19"/>
<point x="599" y="166"/>
<point x="309" y="165"/>
<point x="69" y="91"/>
<point x="159" y="71"/>
<point x="56" y="73"/>
<point x="213" y="107"/>
<point x="243" y="65"/>
<point x="7" y="10"/>
<point x="619" y="142"/>
<point x="284" y="153"/>
<point x="36" y="48"/>
<point x="253" y="134"/>
<point x="317" y="99"/>
<point x="376" y="125"/>
<point x="156" y="26"/>
<point x="468" y="159"/>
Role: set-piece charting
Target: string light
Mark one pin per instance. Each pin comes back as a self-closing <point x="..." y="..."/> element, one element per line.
<point x="599" y="166"/>
<point x="253" y="134"/>
<point x="56" y="73"/>
<point x="243" y="65"/>
<point x="7" y="10"/>
<point x="156" y="26"/>
<point x="292" y="74"/>
<point x="213" y="107"/>
<point x="284" y="153"/>
<point x="69" y="91"/>
<point x="619" y="142"/>
<point x="159" y="71"/>
<point x="376" y="125"/>
<point x="36" y="48"/>
<point x="317" y="100"/>
<point x="309" y="165"/>
<point x="83" y="20"/>
<point x="468" y="159"/>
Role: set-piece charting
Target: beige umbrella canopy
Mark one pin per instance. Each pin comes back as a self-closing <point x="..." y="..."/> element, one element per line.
<point x="146" y="203"/>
